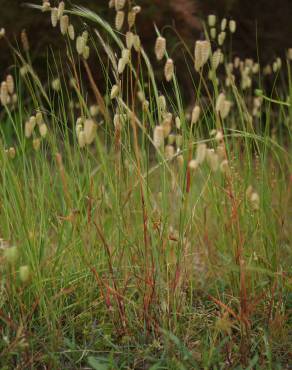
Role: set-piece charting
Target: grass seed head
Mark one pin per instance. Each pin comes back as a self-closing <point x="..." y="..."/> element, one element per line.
<point x="223" y="24"/>
<point x="158" y="137"/>
<point x="90" y="129"/>
<point x="202" y="53"/>
<point x="24" y="273"/>
<point x="11" y="254"/>
<point x="11" y="152"/>
<point x="10" y="84"/>
<point x="194" y="164"/>
<point x="221" y="38"/>
<point x="201" y="152"/>
<point x="24" y="40"/>
<point x="213" y="33"/>
<point x="54" y="16"/>
<point x="115" y="91"/>
<point x="71" y="32"/>
<point x="119" y="4"/>
<point x="137" y="43"/>
<point x="86" y="52"/>
<point x="61" y="9"/>
<point x="36" y="143"/>
<point x="169" y="70"/>
<point x="119" y="20"/>
<point x="46" y="6"/>
<point x="169" y="152"/>
<point x="160" y="47"/>
<point x="56" y="84"/>
<point x="4" y="93"/>
<point x="81" y="139"/>
<point x="129" y="39"/>
<point x="80" y="45"/>
<point x="232" y="26"/>
<point x="131" y="18"/>
<point x="195" y="114"/>
<point x="43" y="130"/>
<point x="212" y="20"/>
<point x="212" y="159"/>
<point x="64" y="24"/>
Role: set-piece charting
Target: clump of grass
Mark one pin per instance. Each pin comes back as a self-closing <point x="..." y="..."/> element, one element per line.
<point x="138" y="232"/>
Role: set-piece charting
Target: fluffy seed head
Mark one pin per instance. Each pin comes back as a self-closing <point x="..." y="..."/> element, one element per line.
<point x="119" y="20"/>
<point x="232" y="26"/>
<point x="64" y="24"/>
<point x="54" y="16"/>
<point x="223" y="24"/>
<point x="202" y="52"/>
<point x="46" y="6"/>
<point x="160" y="47"/>
<point x="221" y="38"/>
<point x="193" y="164"/>
<point x="86" y="52"/>
<point x="43" y="129"/>
<point x="226" y="109"/>
<point x="129" y="39"/>
<point x="211" y="20"/>
<point x="169" y="152"/>
<point x="213" y="33"/>
<point x="10" y="84"/>
<point x="61" y="9"/>
<point x="94" y="110"/>
<point x="195" y="114"/>
<point x="36" y="143"/>
<point x="90" y="129"/>
<point x="71" y="32"/>
<point x="81" y="139"/>
<point x="162" y="103"/>
<point x="158" y="137"/>
<point x="115" y="91"/>
<point x="220" y="102"/>
<point x="24" y="273"/>
<point x="137" y="9"/>
<point x="169" y="70"/>
<point x="80" y="45"/>
<point x="212" y="159"/>
<point x="4" y="93"/>
<point x="201" y="152"/>
<point x="167" y="124"/>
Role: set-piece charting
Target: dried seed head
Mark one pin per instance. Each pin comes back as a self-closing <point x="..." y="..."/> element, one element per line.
<point x="24" y="273"/>
<point x="81" y="139"/>
<point x="167" y="124"/>
<point x="131" y="18"/>
<point x="162" y="103"/>
<point x="71" y="32"/>
<point x="126" y="55"/>
<point x="224" y="167"/>
<point x="24" y="40"/>
<point x="64" y="24"/>
<point x="129" y="39"/>
<point x="11" y="254"/>
<point x="232" y="26"/>
<point x="28" y="129"/>
<point x="195" y="114"/>
<point x="4" y="93"/>
<point x="221" y="38"/>
<point x="169" y="152"/>
<point x="12" y="152"/>
<point x="171" y="139"/>
<point x="193" y="164"/>
<point x="46" y="6"/>
<point x="94" y="110"/>
<point x="212" y="159"/>
<point x="137" y="9"/>
<point x="219" y="136"/>
<point x="33" y="122"/>
<point x="115" y="91"/>
<point x="180" y="160"/>
<point x="202" y="52"/>
<point x="289" y="54"/>
<point x="220" y="102"/>
<point x="119" y="20"/>
<point x="178" y="141"/>
<point x="169" y="70"/>
<point x="111" y="3"/>
<point x="255" y="201"/>
<point x="226" y="109"/>
<point x="213" y="33"/>
<point x="85" y="36"/>
<point x="80" y="45"/>
<point x="61" y="9"/>
<point x="216" y="59"/>
<point x="86" y="52"/>
<point x="119" y="4"/>
<point x="201" y="152"/>
<point x="36" y="143"/>
<point x="121" y="65"/>
<point x="56" y="84"/>
<point x="54" y="17"/>
<point x="90" y="129"/>
<point x="10" y="84"/>
<point x="177" y="122"/>
<point x="160" y="47"/>
<point x="211" y="20"/>
<point x="158" y="137"/>
<point x="78" y="129"/>
<point x="137" y="43"/>
<point x="43" y="129"/>
<point x="223" y="24"/>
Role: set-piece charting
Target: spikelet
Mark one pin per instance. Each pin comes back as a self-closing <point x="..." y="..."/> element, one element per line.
<point x="11" y="152"/>
<point x="119" y="4"/>
<point x="177" y="122"/>
<point x="64" y="24"/>
<point x="46" y="6"/>
<point x="169" y="70"/>
<point x="86" y="52"/>
<point x="80" y="45"/>
<point x="225" y="109"/>
<point x="129" y="39"/>
<point x="71" y="32"/>
<point x="202" y="52"/>
<point x="221" y="38"/>
<point x="11" y="254"/>
<point x="61" y="9"/>
<point x="36" y="143"/>
<point x="255" y="201"/>
<point x="126" y="55"/>
<point x="24" y="40"/>
<point x="195" y="114"/>
<point x="115" y="91"/>
<point x="289" y="54"/>
<point x="160" y="47"/>
<point x="162" y="103"/>
<point x="56" y="84"/>
<point x="54" y="17"/>
<point x="223" y="24"/>
<point x="219" y="136"/>
<point x="220" y="102"/>
<point x="158" y="137"/>
<point x="131" y="18"/>
<point x="38" y="119"/>
<point x="28" y="129"/>
<point x="85" y="36"/>
<point x="10" y="84"/>
<point x="137" y="9"/>
<point x="212" y="159"/>
<point x="141" y="96"/>
<point x="121" y="65"/>
<point x="167" y="124"/>
<point x="232" y="26"/>
<point x="78" y="129"/>
<point x="111" y="4"/>
<point x="137" y="43"/>
<point x="119" y="20"/>
<point x="4" y="97"/>
<point x="224" y="167"/>
<point x="193" y="164"/>
<point x="213" y="33"/>
<point x="212" y="20"/>
<point x="255" y="68"/>
<point x="201" y="152"/>
<point x="178" y="141"/>
<point x="216" y="59"/>
<point x="171" y="139"/>
<point x="43" y="129"/>
<point x="90" y="129"/>
<point x="81" y="139"/>
<point x="169" y="152"/>
<point x="145" y="105"/>
<point x="94" y="110"/>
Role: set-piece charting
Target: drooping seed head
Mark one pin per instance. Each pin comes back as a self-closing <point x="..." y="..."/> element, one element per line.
<point x="81" y="139"/>
<point x="178" y="141"/>
<point x="24" y="40"/>
<point x="90" y="129"/>
<point x="193" y="164"/>
<point x="10" y="84"/>
<point x="169" y="70"/>
<point x="216" y="58"/>
<point x="232" y="26"/>
<point x="64" y="24"/>
<point x="202" y="52"/>
<point x="115" y="91"/>
<point x="86" y="52"/>
<point x="4" y="93"/>
<point x="225" y="109"/>
<point x="131" y="19"/>
<point x="2" y="32"/>
<point x="24" y="273"/>
<point x="160" y="47"/>
<point x="137" y="9"/>
<point x="61" y="9"/>
<point x="80" y="45"/>
<point x="121" y="65"/>
<point x="195" y="114"/>
<point x="162" y="103"/>
<point x="224" y="167"/>
<point x="212" y="20"/>
<point x="71" y="32"/>
<point x="129" y="39"/>
<point x="33" y="122"/>
<point x="223" y="24"/>
<point x="119" y="20"/>
<point x="201" y="152"/>
<point x="43" y="129"/>
<point x="169" y="152"/>
<point x="137" y="43"/>
<point x="56" y="84"/>
<point x="126" y="55"/>
<point x="54" y="16"/>
<point x="36" y="143"/>
<point x="213" y="33"/>
<point x="220" y="102"/>
<point x="177" y="122"/>
<point x="255" y="201"/>
<point x="94" y="110"/>
<point x="46" y="6"/>
<point x="158" y="137"/>
<point x="221" y="38"/>
<point x="212" y="159"/>
<point x="12" y="152"/>
<point x="119" y="4"/>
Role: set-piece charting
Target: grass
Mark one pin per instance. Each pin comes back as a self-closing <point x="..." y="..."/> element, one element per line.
<point x="122" y="255"/>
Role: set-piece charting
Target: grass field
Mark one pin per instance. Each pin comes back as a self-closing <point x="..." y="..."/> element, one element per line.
<point x="138" y="232"/>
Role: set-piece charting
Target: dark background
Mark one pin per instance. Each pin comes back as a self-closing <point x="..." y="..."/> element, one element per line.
<point x="265" y="25"/>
